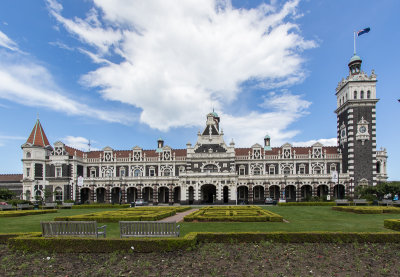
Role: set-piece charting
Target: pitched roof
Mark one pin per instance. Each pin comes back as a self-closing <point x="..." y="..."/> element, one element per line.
<point x="4" y="178"/>
<point x="37" y="136"/>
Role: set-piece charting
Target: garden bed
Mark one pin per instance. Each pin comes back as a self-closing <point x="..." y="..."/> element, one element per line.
<point x="367" y="210"/>
<point x="233" y="214"/>
<point x="25" y="212"/>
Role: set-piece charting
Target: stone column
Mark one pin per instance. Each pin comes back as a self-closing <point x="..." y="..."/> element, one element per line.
<point x="282" y="190"/>
<point x="155" y="195"/>
<point x="250" y="195"/>
<point x="266" y="191"/>
<point x="184" y="195"/>
<point x="93" y="198"/>
<point x="197" y="194"/>
<point x="171" y="195"/>
<point x="298" y="193"/>
<point x="123" y="193"/>
<point x="331" y="190"/>
<point x="139" y="192"/>
<point x="108" y="194"/>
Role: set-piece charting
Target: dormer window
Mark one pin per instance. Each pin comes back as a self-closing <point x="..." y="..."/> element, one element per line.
<point x="108" y="156"/>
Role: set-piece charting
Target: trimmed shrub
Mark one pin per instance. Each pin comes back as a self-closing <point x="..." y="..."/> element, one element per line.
<point x="100" y="206"/>
<point x="25" y="212"/>
<point x="367" y="210"/>
<point x="393" y="224"/>
<point x="307" y="204"/>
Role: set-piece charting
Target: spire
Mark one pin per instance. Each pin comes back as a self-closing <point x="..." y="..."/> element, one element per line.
<point x="37" y="136"/>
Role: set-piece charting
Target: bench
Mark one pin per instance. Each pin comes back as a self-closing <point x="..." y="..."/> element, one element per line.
<point x="396" y="203"/>
<point x="72" y="228"/>
<point x="6" y="207"/>
<point x="67" y="205"/>
<point x="24" y="207"/>
<point x="148" y="229"/>
<point x="49" y="206"/>
<point x="360" y="202"/>
<point x="342" y="202"/>
<point x="386" y="202"/>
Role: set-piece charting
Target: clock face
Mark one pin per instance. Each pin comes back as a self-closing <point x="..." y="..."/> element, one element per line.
<point x="362" y="129"/>
<point x="343" y="133"/>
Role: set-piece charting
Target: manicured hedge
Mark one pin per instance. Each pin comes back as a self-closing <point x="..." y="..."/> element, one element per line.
<point x="6" y="236"/>
<point x="307" y="204"/>
<point x="34" y="241"/>
<point x="100" y="206"/>
<point x="233" y="214"/>
<point x="131" y="214"/>
<point x="393" y="224"/>
<point x="367" y="210"/>
<point x="24" y="212"/>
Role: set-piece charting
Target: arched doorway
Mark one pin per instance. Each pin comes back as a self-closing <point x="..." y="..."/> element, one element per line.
<point x="258" y="195"/>
<point x="28" y="195"/>
<point x="306" y="192"/>
<point x="191" y="195"/>
<point x="322" y="191"/>
<point x="85" y="194"/>
<point x="274" y="192"/>
<point x="101" y="195"/>
<point x="131" y="195"/>
<point x="208" y="194"/>
<point x="148" y="194"/>
<point x="116" y="195"/>
<point x="177" y="194"/>
<point x="163" y="195"/>
<point x="243" y="195"/>
<point x="290" y="193"/>
<point x="226" y="194"/>
<point x="338" y="191"/>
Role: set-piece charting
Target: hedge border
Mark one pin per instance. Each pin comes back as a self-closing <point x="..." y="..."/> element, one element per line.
<point x="367" y="209"/>
<point x="34" y="241"/>
<point x="100" y="206"/>
<point x="307" y="204"/>
<point x="393" y="224"/>
<point x="25" y="212"/>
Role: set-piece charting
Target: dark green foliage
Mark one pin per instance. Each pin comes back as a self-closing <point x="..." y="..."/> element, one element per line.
<point x="367" y="210"/>
<point x="379" y="191"/>
<point x="14" y="202"/>
<point x="6" y="194"/>
<point x="393" y="224"/>
<point x="307" y="204"/>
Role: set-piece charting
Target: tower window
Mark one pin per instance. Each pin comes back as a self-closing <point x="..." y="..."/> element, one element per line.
<point x="355" y="94"/>
<point x="362" y="95"/>
<point x="368" y="94"/>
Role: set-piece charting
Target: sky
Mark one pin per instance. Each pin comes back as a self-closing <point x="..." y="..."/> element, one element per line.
<point x="124" y="73"/>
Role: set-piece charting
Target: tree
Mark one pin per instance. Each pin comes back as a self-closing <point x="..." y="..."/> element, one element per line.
<point x="6" y="194"/>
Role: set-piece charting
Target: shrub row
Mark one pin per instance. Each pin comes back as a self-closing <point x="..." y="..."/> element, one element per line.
<point x="367" y="210"/>
<point x="24" y="212"/>
<point x="100" y="206"/>
<point x="34" y="241"/>
<point x="240" y="207"/>
<point x="393" y="224"/>
<point x="307" y="204"/>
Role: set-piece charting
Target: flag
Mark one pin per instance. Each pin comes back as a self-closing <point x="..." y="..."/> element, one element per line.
<point x="363" y="31"/>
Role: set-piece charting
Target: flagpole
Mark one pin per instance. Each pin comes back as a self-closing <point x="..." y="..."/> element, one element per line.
<point x="354" y="35"/>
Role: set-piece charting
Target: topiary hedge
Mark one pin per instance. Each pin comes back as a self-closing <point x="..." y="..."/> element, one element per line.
<point x="24" y="212"/>
<point x="393" y="224"/>
<point x="307" y="204"/>
<point x="367" y="210"/>
<point x="100" y="206"/>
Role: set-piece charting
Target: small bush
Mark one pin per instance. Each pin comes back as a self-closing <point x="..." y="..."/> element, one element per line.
<point x="393" y="224"/>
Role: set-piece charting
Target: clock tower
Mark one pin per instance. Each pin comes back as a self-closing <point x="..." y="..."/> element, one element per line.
<point x="356" y="123"/>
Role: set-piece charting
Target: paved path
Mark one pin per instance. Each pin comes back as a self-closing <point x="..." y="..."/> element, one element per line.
<point x="179" y="216"/>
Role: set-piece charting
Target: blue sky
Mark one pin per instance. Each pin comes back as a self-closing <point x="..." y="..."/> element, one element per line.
<point x="123" y="74"/>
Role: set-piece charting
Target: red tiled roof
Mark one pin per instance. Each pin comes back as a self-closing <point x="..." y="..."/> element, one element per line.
<point x="37" y="136"/>
<point x="10" y="177"/>
<point x="71" y="151"/>
<point x="179" y="152"/>
<point x="275" y="150"/>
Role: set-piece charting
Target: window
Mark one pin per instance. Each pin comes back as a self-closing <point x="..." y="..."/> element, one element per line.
<point x="28" y="171"/>
<point x="355" y="94"/>
<point x="58" y="194"/>
<point x="181" y="169"/>
<point x="333" y="167"/>
<point x="28" y="195"/>
<point x="210" y="168"/>
<point x="58" y="172"/>
<point x="108" y="173"/>
<point x="93" y="173"/>
<point x="317" y="170"/>
<point x="122" y="172"/>
<point x="302" y="169"/>
<point x="368" y="94"/>
<point x="242" y="170"/>
<point x="272" y="169"/>
<point x="257" y="192"/>
<point x="257" y="171"/>
<point x="152" y="172"/>
<point x="28" y="155"/>
<point x="167" y="172"/>
<point x="137" y="173"/>
<point x="362" y="95"/>
<point x="286" y="170"/>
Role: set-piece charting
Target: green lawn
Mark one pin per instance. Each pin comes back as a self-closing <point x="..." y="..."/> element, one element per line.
<point x="300" y="219"/>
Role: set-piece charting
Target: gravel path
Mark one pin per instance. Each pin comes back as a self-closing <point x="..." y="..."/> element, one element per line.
<point x="179" y="216"/>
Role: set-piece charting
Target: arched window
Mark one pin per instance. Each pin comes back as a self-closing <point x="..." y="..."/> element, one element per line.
<point x="257" y="171"/>
<point x="333" y="167"/>
<point x="286" y="170"/>
<point x="137" y="173"/>
<point x="28" y="155"/>
<point x="362" y="95"/>
<point x="368" y="94"/>
<point x="58" y="194"/>
<point x="355" y="94"/>
<point x="317" y="170"/>
<point x="167" y="172"/>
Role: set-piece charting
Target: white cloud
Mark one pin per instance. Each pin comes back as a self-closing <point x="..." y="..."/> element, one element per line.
<point x="325" y="142"/>
<point x="179" y="58"/>
<point x="61" y="45"/>
<point x="79" y="143"/>
<point x="8" y="43"/>
<point x="4" y="139"/>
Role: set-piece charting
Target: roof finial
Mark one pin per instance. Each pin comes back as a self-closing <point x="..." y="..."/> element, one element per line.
<point x="89" y="144"/>
<point x="37" y="116"/>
